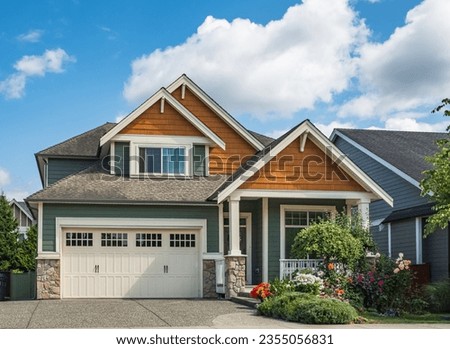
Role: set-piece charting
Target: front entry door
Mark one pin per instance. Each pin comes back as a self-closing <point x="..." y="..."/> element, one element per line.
<point x="245" y="240"/>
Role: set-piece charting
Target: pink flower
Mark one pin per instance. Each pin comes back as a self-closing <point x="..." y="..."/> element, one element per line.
<point x="401" y="266"/>
<point x="396" y="270"/>
<point x="360" y="278"/>
<point x="372" y="279"/>
<point x="380" y="283"/>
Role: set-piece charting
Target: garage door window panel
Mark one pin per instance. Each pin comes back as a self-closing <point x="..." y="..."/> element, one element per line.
<point x="182" y="240"/>
<point x="148" y="240"/>
<point x="76" y="239"/>
<point x="114" y="240"/>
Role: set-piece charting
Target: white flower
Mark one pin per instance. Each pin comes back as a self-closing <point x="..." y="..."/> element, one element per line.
<point x="400" y="255"/>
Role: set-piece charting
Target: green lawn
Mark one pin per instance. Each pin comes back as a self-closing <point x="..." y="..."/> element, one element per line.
<point x="407" y="318"/>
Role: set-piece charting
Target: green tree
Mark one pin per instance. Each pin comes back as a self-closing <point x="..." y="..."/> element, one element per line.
<point x="436" y="182"/>
<point x="28" y="250"/>
<point x="9" y="237"/>
<point x="329" y="240"/>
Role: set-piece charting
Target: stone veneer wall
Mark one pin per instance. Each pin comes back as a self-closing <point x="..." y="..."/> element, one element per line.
<point x="209" y="279"/>
<point x="48" y="279"/>
<point x="234" y="275"/>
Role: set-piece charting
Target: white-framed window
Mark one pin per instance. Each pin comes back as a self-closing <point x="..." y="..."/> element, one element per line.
<point x="294" y="218"/>
<point x="163" y="160"/>
<point x="159" y="155"/>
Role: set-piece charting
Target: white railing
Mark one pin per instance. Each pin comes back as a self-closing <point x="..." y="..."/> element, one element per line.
<point x="289" y="266"/>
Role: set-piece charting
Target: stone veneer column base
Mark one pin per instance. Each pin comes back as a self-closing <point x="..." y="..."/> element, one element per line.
<point x="48" y="279"/>
<point x="234" y="275"/>
<point x="209" y="278"/>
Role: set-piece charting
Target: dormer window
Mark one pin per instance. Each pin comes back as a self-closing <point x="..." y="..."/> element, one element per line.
<point x="163" y="160"/>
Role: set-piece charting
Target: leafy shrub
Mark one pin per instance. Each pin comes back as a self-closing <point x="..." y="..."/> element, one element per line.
<point x="309" y="309"/>
<point x="279" y="287"/>
<point x="437" y="295"/>
<point x="321" y="311"/>
<point x="329" y="240"/>
<point x="276" y="306"/>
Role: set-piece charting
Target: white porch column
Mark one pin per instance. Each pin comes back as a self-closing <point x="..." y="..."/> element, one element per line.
<point x="418" y="240"/>
<point x="389" y="240"/>
<point x="235" y="249"/>
<point x="265" y="239"/>
<point x="363" y="208"/>
<point x="221" y="237"/>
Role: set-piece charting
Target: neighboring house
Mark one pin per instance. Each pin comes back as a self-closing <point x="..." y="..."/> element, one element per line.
<point x="150" y="206"/>
<point x="396" y="161"/>
<point x="23" y="215"/>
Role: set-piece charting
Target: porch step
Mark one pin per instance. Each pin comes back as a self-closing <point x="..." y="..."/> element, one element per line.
<point x="247" y="301"/>
<point x="244" y="298"/>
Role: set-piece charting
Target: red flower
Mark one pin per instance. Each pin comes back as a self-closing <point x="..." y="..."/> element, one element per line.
<point x="261" y="291"/>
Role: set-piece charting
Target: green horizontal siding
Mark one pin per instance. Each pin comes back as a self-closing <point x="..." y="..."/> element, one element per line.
<point x="51" y="211"/>
<point x="122" y="159"/>
<point x="61" y="168"/>
<point x="274" y="226"/>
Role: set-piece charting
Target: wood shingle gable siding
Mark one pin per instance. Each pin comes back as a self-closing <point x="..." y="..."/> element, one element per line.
<point x="237" y="151"/>
<point x="311" y="169"/>
<point x="153" y="122"/>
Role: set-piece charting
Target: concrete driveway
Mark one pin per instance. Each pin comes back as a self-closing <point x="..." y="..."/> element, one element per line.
<point x="149" y="313"/>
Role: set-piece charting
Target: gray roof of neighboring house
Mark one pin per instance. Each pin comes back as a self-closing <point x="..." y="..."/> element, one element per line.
<point x="405" y="150"/>
<point x="416" y="211"/>
<point x="86" y="144"/>
<point x="97" y="185"/>
<point x="23" y="206"/>
<point x="265" y="140"/>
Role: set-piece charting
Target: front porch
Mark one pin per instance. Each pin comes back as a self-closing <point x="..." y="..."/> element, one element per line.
<point x="259" y="232"/>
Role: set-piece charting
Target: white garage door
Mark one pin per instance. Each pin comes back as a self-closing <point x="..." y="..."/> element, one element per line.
<point x="121" y="264"/>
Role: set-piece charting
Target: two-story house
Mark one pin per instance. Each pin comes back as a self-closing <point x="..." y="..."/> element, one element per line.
<point x="396" y="161"/>
<point x="147" y="207"/>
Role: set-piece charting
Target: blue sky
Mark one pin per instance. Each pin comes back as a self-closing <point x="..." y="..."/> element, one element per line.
<point x="69" y="66"/>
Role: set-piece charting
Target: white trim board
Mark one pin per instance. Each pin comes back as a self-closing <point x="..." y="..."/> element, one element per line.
<point x="183" y="80"/>
<point x="375" y="157"/>
<point x="163" y="93"/>
<point x="324" y="144"/>
<point x="303" y="194"/>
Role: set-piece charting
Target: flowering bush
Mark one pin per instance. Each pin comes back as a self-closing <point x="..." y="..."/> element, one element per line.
<point x="307" y="283"/>
<point x="388" y="287"/>
<point x="261" y="291"/>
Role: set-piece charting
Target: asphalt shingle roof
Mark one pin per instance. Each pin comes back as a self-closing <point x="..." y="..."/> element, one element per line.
<point x="403" y="149"/>
<point x="98" y="185"/>
<point x="86" y="144"/>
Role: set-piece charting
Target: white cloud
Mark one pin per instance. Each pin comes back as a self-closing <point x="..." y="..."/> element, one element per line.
<point x="19" y="195"/>
<point x="410" y="69"/>
<point x="120" y="117"/>
<point x="51" y="61"/>
<point x="276" y="133"/>
<point x="4" y="177"/>
<point x="32" y="36"/>
<point x="263" y="70"/>
<point x="327" y="129"/>
<point x="411" y="124"/>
